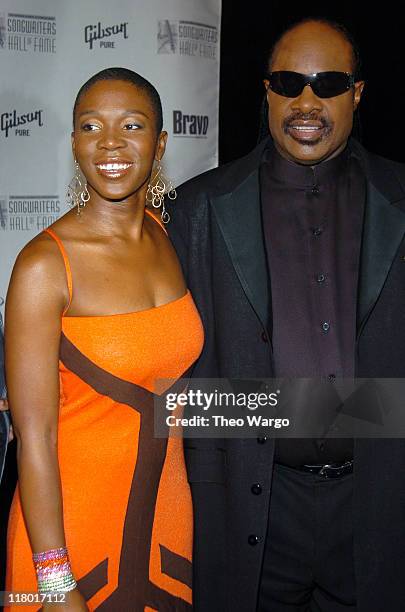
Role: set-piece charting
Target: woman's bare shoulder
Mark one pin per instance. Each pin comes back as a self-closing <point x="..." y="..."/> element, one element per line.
<point x="39" y="254"/>
<point x="39" y="272"/>
<point x="43" y="250"/>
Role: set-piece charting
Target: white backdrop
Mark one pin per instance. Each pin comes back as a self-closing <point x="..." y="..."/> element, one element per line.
<point x="49" y="48"/>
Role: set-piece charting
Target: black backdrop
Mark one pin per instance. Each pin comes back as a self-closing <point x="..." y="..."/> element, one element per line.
<point x="248" y="30"/>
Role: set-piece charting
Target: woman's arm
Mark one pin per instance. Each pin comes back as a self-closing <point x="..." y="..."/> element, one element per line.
<point x="35" y="302"/>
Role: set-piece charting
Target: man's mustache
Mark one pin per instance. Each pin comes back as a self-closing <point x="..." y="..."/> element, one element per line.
<point x="297" y="116"/>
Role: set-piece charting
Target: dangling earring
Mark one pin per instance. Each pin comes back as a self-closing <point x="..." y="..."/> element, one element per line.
<point x="158" y="187"/>
<point x="77" y="193"/>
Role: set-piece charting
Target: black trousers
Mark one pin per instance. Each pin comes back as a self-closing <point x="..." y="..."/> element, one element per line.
<point x="308" y="560"/>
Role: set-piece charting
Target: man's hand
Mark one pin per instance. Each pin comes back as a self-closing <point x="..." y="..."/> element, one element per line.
<point x="4" y="406"/>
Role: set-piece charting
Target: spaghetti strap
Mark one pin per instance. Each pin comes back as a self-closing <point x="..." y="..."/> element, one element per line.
<point x="66" y="259"/>
<point x="150" y="213"/>
<point x="67" y="266"/>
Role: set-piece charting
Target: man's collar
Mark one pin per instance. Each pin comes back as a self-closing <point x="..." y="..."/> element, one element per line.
<point x="378" y="171"/>
<point x="300" y="175"/>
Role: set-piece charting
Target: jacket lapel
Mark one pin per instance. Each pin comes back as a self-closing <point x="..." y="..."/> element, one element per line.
<point x="238" y="214"/>
<point x="384" y="230"/>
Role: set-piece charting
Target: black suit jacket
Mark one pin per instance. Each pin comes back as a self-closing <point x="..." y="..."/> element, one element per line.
<point x="217" y="231"/>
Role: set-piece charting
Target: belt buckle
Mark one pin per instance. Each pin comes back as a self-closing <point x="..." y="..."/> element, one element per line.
<point x="335" y="471"/>
<point x="322" y="471"/>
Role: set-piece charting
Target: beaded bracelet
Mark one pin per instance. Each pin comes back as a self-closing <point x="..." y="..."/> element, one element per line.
<point x="54" y="573"/>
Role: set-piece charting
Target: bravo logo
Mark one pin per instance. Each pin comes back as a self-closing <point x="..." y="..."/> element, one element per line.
<point x="193" y="126"/>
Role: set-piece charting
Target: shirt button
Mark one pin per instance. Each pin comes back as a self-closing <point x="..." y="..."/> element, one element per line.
<point x="256" y="489"/>
<point x="262" y="440"/>
<point x="253" y="539"/>
<point x="320" y="278"/>
<point x="317" y="231"/>
<point x="315" y="190"/>
<point x="325" y="326"/>
<point x="264" y="337"/>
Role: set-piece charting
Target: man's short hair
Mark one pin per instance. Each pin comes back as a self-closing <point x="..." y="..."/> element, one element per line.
<point x="338" y="27"/>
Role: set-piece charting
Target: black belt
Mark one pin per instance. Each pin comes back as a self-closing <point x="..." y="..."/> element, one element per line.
<point x="329" y="470"/>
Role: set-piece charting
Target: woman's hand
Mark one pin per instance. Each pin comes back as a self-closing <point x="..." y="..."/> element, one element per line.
<point x="74" y="602"/>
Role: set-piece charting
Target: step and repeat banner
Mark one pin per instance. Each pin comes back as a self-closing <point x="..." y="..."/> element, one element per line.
<point x="49" y="48"/>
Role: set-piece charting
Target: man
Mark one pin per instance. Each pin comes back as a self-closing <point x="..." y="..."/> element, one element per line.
<point x="295" y="256"/>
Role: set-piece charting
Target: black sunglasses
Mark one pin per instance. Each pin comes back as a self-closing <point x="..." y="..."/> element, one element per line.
<point x="324" y="84"/>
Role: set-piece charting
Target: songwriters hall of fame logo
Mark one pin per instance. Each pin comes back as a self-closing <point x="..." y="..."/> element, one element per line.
<point x="2" y="31"/>
<point x="3" y="213"/>
<point x="27" y="33"/>
<point x="28" y="213"/>
<point x="167" y="36"/>
<point x="187" y="38"/>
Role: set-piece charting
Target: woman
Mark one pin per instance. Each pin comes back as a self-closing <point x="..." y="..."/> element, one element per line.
<point x="97" y="309"/>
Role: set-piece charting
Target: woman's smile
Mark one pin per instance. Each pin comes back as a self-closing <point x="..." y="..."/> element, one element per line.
<point x="114" y="168"/>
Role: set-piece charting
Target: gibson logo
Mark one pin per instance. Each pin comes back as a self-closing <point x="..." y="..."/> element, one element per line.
<point x="11" y="120"/>
<point x="96" y="32"/>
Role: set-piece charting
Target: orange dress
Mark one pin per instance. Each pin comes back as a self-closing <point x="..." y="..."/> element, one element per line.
<point x="127" y="502"/>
